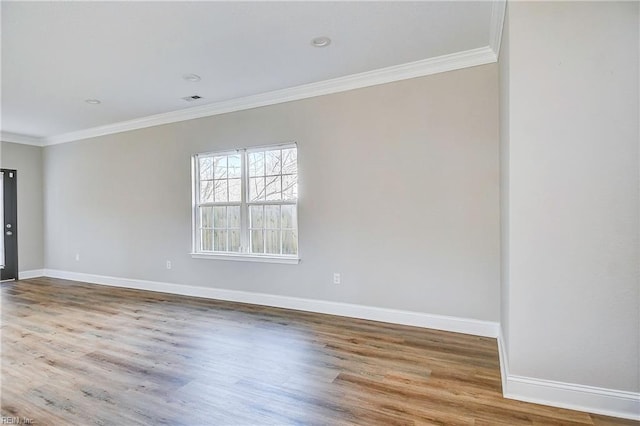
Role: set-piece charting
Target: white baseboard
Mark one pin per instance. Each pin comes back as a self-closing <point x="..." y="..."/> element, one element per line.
<point x="573" y="396"/>
<point x="504" y="359"/>
<point x="417" y="319"/>
<point x="25" y="275"/>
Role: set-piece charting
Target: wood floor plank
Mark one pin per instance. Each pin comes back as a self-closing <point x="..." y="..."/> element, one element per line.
<point x="80" y="354"/>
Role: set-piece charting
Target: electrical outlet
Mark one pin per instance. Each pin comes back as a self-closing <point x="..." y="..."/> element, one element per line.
<point x="77" y="257"/>
<point x="337" y="278"/>
<point x="168" y="264"/>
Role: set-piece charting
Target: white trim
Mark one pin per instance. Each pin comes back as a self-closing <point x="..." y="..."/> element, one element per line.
<point x="417" y="319"/>
<point x="35" y="273"/>
<point x="262" y="148"/>
<point x="455" y="61"/>
<point x="21" y="139"/>
<point x="498" y="9"/>
<point x="591" y="399"/>
<point x="504" y="362"/>
<point x="240" y="257"/>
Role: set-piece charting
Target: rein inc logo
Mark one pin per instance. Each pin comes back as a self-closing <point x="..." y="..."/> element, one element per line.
<point x="15" y="421"/>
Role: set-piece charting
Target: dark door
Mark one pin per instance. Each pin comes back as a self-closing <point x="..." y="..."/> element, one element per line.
<point x="10" y="225"/>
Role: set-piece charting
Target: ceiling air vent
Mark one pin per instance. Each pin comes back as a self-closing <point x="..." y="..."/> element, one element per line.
<point x="192" y="98"/>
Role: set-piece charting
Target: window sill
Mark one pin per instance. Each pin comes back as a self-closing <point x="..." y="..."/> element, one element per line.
<point x="247" y="257"/>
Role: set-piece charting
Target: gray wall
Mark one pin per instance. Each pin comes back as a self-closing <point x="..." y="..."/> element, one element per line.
<point x="398" y="192"/>
<point x="503" y="67"/>
<point x="27" y="160"/>
<point x="573" y="192"/>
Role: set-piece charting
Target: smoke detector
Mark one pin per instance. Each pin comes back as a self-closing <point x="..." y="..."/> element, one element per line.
<point x="194" y="78"/>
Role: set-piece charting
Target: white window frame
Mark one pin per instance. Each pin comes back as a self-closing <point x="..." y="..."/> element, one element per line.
<point x="245" y="204"/>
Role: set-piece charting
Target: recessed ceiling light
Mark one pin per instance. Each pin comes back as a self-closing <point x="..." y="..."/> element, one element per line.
<point x="191" y="77"/>
<point x="321" y="42"/>
<point x="93" y="101"/>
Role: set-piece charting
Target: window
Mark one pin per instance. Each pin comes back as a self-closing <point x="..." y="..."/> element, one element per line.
<point x="245" y="204"/>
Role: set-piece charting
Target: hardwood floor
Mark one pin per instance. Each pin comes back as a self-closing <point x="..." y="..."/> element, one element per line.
<point x="81" y="354"/>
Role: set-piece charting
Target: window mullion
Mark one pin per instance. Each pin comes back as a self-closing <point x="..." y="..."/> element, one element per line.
<point x="197" y="245"/>
<point x="244" y="209"/>
<point x="280" y="222"/>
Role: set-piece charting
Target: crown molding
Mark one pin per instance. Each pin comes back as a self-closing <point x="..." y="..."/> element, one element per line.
<point x="21" y="139"/>
<point x="498" y="9"/>
<point x="455" y="61"/>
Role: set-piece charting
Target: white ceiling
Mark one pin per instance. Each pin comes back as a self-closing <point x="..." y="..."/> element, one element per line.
<point x="132" y="56"/>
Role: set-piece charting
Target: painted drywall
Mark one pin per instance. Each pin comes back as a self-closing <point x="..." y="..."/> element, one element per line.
<point x="27" y="161"/>
<point x="398" y="193"/>
<point x="573" y="192"/>
<point x="503" y="69"/>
